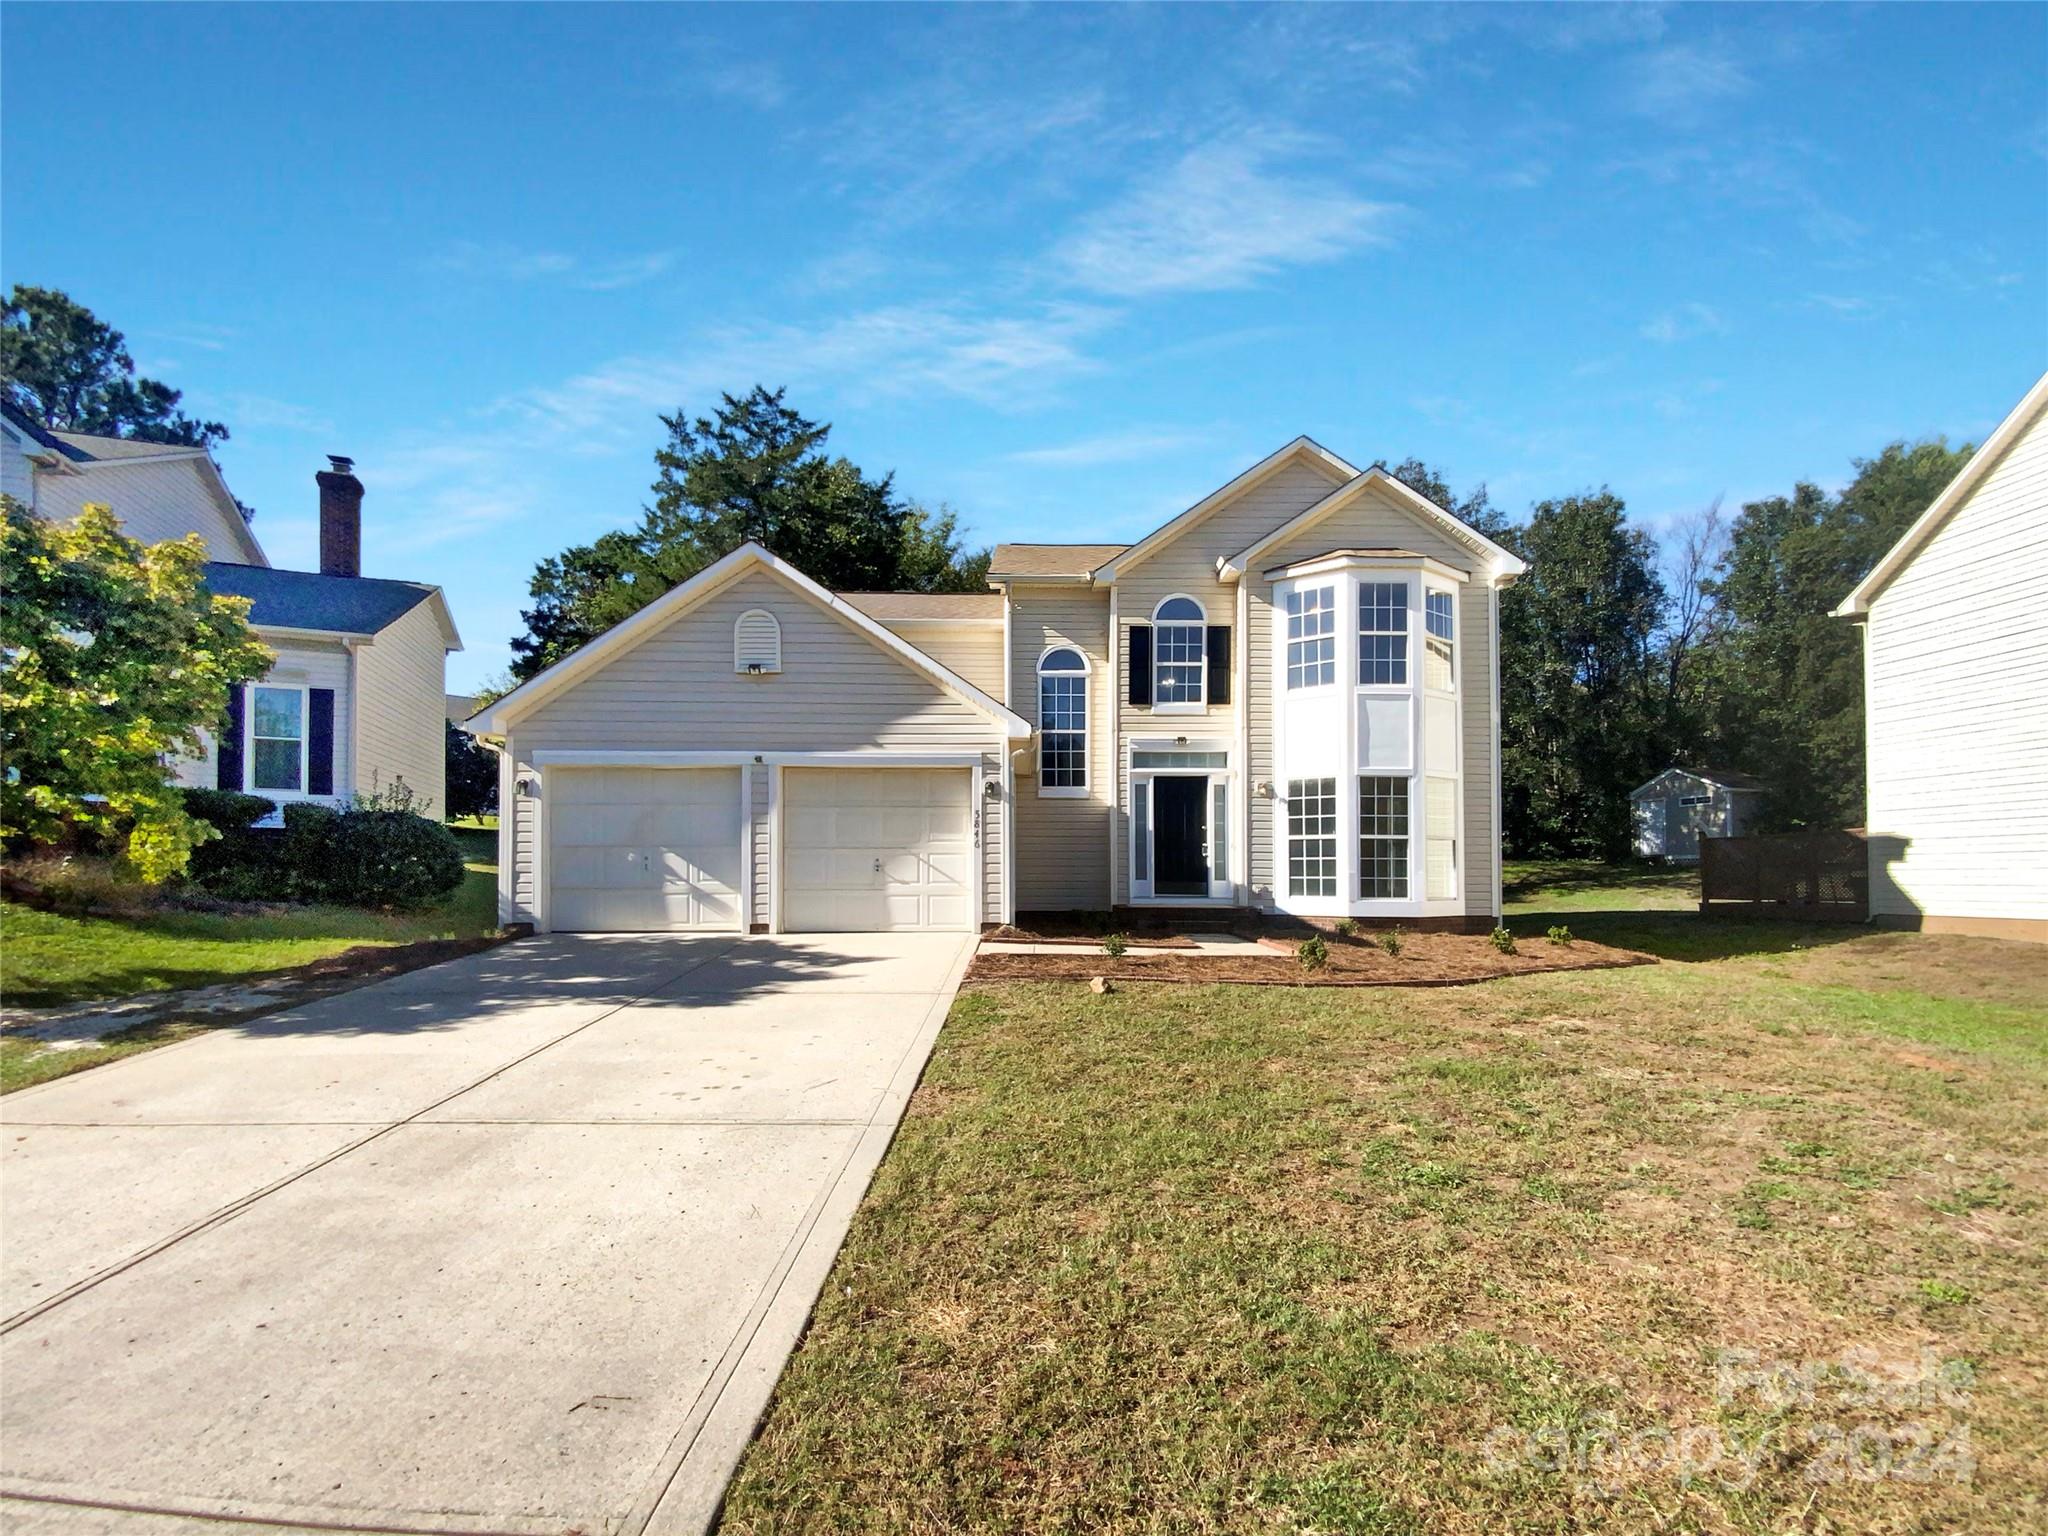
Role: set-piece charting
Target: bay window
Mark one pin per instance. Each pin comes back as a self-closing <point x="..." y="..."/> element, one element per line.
<point x="1312" y="837"/>
<point x="1383" y="634"/>
<point x="1311" y="637"/>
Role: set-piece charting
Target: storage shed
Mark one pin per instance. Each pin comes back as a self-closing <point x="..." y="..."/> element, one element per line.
<point x="1682" y="805"/>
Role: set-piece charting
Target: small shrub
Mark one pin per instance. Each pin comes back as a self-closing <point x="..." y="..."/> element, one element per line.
<point x="1114" y="945"/>
<point x="1502" y="940"/>
<point x="226" y="811"/>
<point x="1313" y="953"/>
<point x="242" y="863"/>
<point x="1560" y="934"/>
<point x="1347" y="927"/>
<point x="383" y="859"/>
<point x="1392" y="940"/>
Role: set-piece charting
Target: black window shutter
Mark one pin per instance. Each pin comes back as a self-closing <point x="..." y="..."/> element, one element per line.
<point x="1141" y="664"/>
<point x="227" y="757"/>
<point x="320" y="741"/>
<point x="1219" y="663"/>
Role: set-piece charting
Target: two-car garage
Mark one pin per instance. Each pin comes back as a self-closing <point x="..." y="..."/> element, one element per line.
<point x="752" y="754"/>
<point x="851" y="849"/>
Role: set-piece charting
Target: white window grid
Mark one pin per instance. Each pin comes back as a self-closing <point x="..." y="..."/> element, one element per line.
<point x="1311" y="637"/>
<point x="1312" y="837"/>
<point x="1383" y="634"/>
<point x="1382" y="838"/>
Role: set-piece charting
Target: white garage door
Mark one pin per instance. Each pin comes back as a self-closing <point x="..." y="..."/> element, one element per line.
<point x="876" y="848"/>
<point x="643" y="849"/>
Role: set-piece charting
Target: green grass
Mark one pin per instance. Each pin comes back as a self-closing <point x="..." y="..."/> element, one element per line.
<point x="1218" y="1259"/>
<point x="48" y="959"/>
<point x="1588" y="885"/>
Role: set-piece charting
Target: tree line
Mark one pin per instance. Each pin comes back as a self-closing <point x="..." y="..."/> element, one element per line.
<point x="1621" y="654"/>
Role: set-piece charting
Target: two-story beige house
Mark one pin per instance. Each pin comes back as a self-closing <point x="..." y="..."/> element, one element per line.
<point x="1285" y="700"/>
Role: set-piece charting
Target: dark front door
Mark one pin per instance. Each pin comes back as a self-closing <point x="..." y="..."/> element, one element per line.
<point x="1180" y="837"/>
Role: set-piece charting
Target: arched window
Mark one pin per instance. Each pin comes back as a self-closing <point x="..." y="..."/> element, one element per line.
<point x="756" y="642"/>
<point x="1180" y="653"/>
<point x="1063" y="722"/>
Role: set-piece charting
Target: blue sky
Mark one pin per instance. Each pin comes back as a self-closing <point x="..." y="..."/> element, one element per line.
<point x="1063" y="269"/>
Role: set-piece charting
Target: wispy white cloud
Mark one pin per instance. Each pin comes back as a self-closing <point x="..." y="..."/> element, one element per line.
<point x="1110" y="448"/>
<point x="1686" y="322"/>
<point x="1683" y="82"/>
<point x="500" y="262"/>
<point x="756" y="82"/>
<point x="261" y="413"/>
<point x="1222" y="216"/>
<point x="205" y="338"/>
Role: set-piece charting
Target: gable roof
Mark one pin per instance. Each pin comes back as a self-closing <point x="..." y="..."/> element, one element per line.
<point x="929" y="607"/>
<point x="1304" y="450"/>
<point x="1720" y="778"/>
<point x="1059" y="562"/>
<point x="337" y="605"/>
<point x="1928" y="523"/>
<point x="1506" y="565"/>
<point x="679" y="600"/>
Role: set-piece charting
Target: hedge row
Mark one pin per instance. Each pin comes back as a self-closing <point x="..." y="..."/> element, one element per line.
<point x="358" y="856"/>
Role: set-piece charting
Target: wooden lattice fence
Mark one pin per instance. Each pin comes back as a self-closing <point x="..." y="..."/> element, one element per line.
<point x="1812" y="876"/>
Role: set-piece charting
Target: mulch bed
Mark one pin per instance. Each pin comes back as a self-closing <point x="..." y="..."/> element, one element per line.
<point x="1426" y="960"/>
<point x="1056" y="931"/>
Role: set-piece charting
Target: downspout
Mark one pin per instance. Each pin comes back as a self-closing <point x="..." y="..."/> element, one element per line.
<point x="1241" y="833"/>
<point x="1493" y="669"/>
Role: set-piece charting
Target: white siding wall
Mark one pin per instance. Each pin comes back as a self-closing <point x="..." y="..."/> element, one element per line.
<point x="401" y="678"/>
<point x="760" y="839"/>
<point x="153" y="502"/>
<point x="1062" y="842"/>
<point x="17" y="475"/>
<point x="299" y="664"/>
<point x="839" y="691"/>
<point x="1957" y="701"/>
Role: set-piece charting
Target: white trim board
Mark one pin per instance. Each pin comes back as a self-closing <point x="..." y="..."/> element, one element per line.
<point x="1506" y="565"/>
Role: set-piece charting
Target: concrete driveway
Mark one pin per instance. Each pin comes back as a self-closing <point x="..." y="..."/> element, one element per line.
<point x="515" y="1244"/>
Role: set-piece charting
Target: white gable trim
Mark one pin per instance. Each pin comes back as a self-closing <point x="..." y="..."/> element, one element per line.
<point x="571" y="669"/>
<point x="1302" y="448"/>
<point x="1506" y="566"/>
<point x="1928" y="523"/>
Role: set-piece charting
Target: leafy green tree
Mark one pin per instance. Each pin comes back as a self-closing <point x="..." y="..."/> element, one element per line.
<point x="70" y="371"/>
<point x="472" y="775"/>
<point x="1789" y="706"/>
<point x="1476" y="510"/>
<point x="1578" y="657"/>
<point x="113" y="655"/>
<point x="754" y="470"/>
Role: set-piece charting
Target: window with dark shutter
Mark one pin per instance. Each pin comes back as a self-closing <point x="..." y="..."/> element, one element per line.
<point x="319" y="741"/>
<point x="1141" y="664"/>
<point x="1219" y="663"/>
<point x="227" y="762"/>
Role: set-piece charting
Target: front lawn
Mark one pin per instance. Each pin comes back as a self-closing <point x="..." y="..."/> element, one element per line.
<point x="1747" y="1241"/>
<point x="48" y="959"/>
<point x="1588" y="885"/>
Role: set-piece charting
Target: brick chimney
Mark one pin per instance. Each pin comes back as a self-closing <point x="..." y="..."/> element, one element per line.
<point x="341" y="518"/>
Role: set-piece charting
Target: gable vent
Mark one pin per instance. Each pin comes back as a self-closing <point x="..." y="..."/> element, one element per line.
<point x="756" y="642"/>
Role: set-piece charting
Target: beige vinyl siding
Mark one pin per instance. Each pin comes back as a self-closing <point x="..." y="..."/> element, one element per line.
<point x="760" y="838"/>
<point x="152" y="502"/>
<point x="401" y="677"/>
<point x="1376" y="521"/>
<point x="1062" y="841"/>
<point x="299" y="664"/>
<point x="839" y="690"/>
<point x="1188" y="565"/>
<point x="974" y="653"/>
<point x="1957" y="671"/>
<point x="17" y="474"/>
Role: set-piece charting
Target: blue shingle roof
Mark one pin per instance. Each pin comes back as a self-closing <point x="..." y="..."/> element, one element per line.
<point x="351" y="605"/>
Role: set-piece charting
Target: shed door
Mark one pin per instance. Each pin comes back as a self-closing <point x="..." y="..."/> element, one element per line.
<point x="867" y="849"/>
<point x="643" y="849"/>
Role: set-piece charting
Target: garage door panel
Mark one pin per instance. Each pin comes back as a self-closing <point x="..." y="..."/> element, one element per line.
<point x="877" y="848"/>
<point x="644" y="849"/>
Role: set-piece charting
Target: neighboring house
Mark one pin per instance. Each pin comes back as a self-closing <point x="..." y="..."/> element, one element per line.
<point x="458" y="707"/>
<point x="1286" y="700"/>
<point x="157" y="491"/>
<point x="1682" y="805"/>
<point x="356" y="701"/>
<point x="1955" y="648"/>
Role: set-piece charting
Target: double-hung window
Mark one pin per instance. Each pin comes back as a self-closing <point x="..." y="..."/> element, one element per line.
<point x="1062" y="722"/>
<point x="277" y="739"/>
<point x="1382" y="838"/>
<point x="1180" y="652"/>
<point x="1439" y="645"/>
<point x="1383" y="634"/>
<point x="1312" y="837"/>
<point x="1311" y="637"/>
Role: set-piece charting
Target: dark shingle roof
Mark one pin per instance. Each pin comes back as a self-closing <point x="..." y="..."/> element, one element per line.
<point x="349" y="605"/>
<point x="39" y="434"/>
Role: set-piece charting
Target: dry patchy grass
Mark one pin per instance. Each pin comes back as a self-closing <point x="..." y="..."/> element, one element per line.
<point x="1215" y="1259"/>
